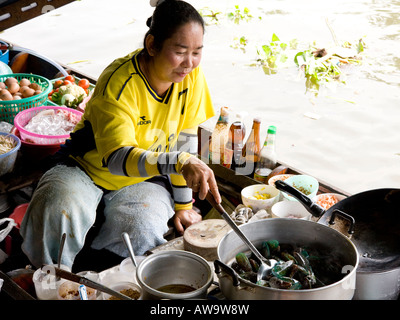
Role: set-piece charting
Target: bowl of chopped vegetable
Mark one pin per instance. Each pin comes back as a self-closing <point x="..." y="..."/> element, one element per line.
<point x="9" y="146"/>
<point x="306" y="184"/>
<point x="259" y="196"/>
<point x="327" y="200"/>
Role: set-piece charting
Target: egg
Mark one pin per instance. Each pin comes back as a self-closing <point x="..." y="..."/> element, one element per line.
<point x="9" y="81"/>
<point x="2" y="85"/>
<point x="24" y="82"/>
<point x="13" y="87"/>
<point x="35" y="86"/>
<point x="17" y="97"/>
<point x="37" y="92"/>
<point x="26" y="91"/>
<point x="5" y="95"/>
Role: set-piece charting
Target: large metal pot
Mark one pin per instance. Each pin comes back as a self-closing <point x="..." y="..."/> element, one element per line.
<point x="293" y="231"/>
<point x="371" y="220"/>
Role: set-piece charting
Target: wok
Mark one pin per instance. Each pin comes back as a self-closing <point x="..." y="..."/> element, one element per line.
<point x="371" y="220"/>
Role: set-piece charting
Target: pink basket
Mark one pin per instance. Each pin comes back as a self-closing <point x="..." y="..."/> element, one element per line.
<point x="23" y="117"/>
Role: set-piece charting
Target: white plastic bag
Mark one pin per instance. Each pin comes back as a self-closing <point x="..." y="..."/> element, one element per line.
<point x="3" y="234"/>
<point x="6" y="230"/>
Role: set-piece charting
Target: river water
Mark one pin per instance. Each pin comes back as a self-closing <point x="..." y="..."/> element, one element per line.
<point x="348" y="134"/>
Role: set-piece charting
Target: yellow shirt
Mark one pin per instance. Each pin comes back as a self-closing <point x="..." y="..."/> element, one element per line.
<point x="125" y="111"/>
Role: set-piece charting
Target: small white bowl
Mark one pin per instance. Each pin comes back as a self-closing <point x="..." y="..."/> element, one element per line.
<point x="302" y="182"/>
<point x="248" y="197"/>
<point x="121" y="287"/>
<point x="69" y="290"/>
<point x="335" y="197"/>
<point x="282" y="177"/>
<point x="290" y="209"/>
<point x="127" y="267"/>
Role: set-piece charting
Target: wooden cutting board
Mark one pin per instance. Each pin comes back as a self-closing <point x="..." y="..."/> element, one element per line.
<point x="203" y="237"/>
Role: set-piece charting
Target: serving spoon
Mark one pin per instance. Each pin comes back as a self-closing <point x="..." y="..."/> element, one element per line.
<point x="265" y="264"/>
<point x="60" y="250"/>
<point x="128" y="244"/>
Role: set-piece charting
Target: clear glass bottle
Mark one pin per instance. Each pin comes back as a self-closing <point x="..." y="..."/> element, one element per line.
<point x="252" y="148"/>
<point x="219" y="138"/>
<point x="267" y="158"/>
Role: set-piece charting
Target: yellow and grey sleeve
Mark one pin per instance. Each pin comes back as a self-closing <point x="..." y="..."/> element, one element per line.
<point x="136" y="162"/>
<point x="183" y="195"/>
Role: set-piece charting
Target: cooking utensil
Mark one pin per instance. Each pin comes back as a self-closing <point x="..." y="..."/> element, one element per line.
<point x="265" y="264"/>
<point x="128" y="244"/>
<point x="371" y="219"/>
<point x="13" y="290"/>
<point x="60" y="250"/>
<point x="291" y="231"/>
<point x="90" y="283"/>
<point x="175" y="269"/>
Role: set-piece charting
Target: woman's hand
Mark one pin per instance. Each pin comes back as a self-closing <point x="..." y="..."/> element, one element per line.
<point x="200" y="178"/>
<point x="185" y="218"/>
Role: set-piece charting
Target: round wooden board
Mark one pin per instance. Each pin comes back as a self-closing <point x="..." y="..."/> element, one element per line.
<point x="203" y="237"/>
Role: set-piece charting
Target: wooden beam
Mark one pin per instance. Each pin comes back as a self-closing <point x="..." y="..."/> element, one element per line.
<point x="23" y="10"/>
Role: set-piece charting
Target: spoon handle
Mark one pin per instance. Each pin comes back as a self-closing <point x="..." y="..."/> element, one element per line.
<point x="128" y="244"/>
<point x="232" y="224"/>
<point x="61" y="249"/>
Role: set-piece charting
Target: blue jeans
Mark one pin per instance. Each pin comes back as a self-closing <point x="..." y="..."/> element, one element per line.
<point x="66" y="200"/>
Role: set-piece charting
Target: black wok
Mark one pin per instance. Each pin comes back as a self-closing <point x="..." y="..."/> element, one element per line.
<point x="372" y="222"/>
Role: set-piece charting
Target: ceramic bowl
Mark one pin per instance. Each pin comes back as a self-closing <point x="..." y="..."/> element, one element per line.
<point x="290" y="209"/>
<point x="308" y="185"/>
<point x="250" y="194"/>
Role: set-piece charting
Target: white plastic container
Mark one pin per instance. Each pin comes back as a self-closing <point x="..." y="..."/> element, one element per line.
<point x="46" y="283"/>
<point x="290" y="209"/>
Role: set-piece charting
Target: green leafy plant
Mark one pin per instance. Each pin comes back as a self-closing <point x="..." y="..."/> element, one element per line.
<point x="239" y="15"/>
<point x="323" y="68"/>
<point x="210" y="16"/>
<point x="272" y="55"/>
<point x="240" y="43"/>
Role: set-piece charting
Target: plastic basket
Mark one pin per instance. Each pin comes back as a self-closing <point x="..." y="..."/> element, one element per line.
<point x="22" y="119"/>
<point x="9" y="109"/>
<point x="90" y="91"/>
<point x="7" y="160"/>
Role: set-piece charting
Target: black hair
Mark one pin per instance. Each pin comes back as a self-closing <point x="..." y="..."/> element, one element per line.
<point x="167" y="17"/>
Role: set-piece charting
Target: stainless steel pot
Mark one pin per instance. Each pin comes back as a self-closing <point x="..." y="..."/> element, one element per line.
<point x="291" y="231"/>
<point x="175" y="267"/>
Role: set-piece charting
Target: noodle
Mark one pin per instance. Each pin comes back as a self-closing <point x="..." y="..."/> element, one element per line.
<point x="7" y="143"/>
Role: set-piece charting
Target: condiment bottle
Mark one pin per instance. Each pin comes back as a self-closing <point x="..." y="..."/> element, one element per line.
<point x="267" y="158"/>
<point x="219" y="138"/>
<point x="235" y="144"/>
<point x="251" y="149"/>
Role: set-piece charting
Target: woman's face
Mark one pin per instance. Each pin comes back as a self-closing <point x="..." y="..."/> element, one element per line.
<point x="179" y="55"/>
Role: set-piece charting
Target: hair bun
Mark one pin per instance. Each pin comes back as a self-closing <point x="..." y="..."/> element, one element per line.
<point x="148" y="22"/>
<point x="155" y="3"/>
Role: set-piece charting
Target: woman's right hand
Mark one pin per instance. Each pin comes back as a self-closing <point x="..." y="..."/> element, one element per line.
<point x="200" y="178"/>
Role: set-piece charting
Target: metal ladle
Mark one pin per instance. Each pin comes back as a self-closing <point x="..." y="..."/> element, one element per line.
<point x="60" y="250"/>
<point x="128" y="244"/>
<point x="265" y="264"/>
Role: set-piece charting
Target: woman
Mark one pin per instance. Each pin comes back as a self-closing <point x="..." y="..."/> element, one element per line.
<point x="133" y="151"/>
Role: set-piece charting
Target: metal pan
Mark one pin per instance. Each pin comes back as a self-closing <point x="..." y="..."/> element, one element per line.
<point x="371" y="220"/>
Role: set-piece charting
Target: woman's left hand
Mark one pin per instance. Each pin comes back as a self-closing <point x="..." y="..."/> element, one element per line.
<point x="185" y="218"/>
